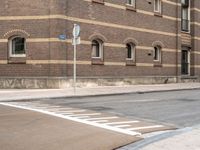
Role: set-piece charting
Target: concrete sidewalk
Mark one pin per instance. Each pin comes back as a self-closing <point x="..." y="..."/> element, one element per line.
<point x="183" y="139"/>
<point x="21" y="94"/>
<point x="189" y="140"/>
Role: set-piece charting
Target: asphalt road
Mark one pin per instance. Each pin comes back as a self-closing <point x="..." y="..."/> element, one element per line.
<point x="180" y="108"/>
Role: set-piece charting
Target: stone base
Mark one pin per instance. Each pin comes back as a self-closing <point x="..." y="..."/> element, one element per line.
<point x="61" y="82"/>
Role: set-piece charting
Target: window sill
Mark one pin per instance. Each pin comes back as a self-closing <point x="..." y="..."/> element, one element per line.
<point x="157" y="64"/>
<point x="98" y="1"/>
<point x="130" y="62"/>
<point x="97" y="61"/>
<point x="17" y="60"/>
<point x="185" y="32"/>
<point x="130" y="7"/>
<point x="158" y="14"/>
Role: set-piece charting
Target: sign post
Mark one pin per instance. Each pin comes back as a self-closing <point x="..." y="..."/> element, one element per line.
<point x="75" y="42"/>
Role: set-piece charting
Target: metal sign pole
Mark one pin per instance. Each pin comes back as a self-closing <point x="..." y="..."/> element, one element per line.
<point x="74" y="66"/>
<point x="75" y="42"/>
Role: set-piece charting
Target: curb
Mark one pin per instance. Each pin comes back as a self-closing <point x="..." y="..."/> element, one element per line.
<point x="101" y="95"/>
<point x="148" y="141"/>
<point x="126" y="93"/>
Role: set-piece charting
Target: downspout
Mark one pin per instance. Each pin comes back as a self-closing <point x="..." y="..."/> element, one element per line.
<point x="49" y="44"/>
<point x="177" y="39"/>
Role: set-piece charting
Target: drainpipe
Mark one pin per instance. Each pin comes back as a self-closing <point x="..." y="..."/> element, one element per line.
<point x="177" y="39"/>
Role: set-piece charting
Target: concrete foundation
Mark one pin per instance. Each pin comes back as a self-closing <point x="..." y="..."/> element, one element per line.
<point x="60" y="82"/>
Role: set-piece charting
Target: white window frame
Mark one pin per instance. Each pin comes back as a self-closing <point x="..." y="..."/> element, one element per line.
<point x="159" y="3"/>
<point x="133" y="47"/>
<point x="158" y="53"/>
<point x="131" y="3"/>
<point x="11" y="46"/>
<point x="189" y="17"/>
<point x="100" y="42"/>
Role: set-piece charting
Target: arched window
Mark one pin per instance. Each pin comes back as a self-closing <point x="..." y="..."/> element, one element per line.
<point x="130" y="51"/>
<point x="97" y="48"/>
<point x="17" y="46"/>
<point x="157" y="53"/>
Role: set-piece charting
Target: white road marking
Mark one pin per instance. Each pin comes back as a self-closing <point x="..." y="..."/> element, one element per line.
<point x="81" y="117"/>
<point x="74" y="111"/>
<point x="123" y="122"/>
<point x="96" y="124"/>
<point x="47" y="106"/>
<point x="147" y="127"/>
<point x="59" y="109"/>
<point x="100" y="121"/>
<point x="122" y="126"/>
<point x="92" y="114"/>
<point x="92" y="119"/>
<point x="63" y="113"/>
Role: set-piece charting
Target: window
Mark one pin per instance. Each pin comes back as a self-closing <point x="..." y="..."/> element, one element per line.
<point x="157" y="53"/>
<point x="130" y="50"/>
<point x="131" y="2"/>
<point x="185" y="17"/>
<point x="17" y="46"/>
<point x="157" y="6"/>
<point x="97" y="48"/>
<point x="185" y="61"/>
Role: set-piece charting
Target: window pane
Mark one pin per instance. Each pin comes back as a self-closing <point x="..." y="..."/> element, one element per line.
<point x="129" y="51"/>
<point x="157" y="5"/>
<point x="131" y="2"/>
<point x="96" y="48"/>
<point x="18" y="46"/>
<point x="97" y="51"/>
<point x="156" y="53"/>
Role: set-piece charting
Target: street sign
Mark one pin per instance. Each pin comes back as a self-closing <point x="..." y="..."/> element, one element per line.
<point x="76" y="41"/>
<point x="76" y="31"/>
<point x="62" y="37"/>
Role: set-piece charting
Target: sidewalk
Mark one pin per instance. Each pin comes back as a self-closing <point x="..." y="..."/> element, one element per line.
<point x="187" y="139"/>
<point x="21" y="94"/>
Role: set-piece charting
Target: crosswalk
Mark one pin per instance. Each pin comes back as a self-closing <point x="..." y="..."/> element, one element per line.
<point x="101" y="120"/>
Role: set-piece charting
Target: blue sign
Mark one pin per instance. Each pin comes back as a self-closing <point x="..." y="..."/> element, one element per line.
<point x="62" y="37"/>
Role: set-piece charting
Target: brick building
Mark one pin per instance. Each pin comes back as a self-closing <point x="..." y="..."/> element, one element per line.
<point x="129" y="41"/>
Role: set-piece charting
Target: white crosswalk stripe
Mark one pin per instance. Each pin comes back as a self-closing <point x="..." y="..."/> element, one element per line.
<point x="100" y="121"/>
<point x="80" y="117"/>
<point x="123" y="122"/>
<point x="122" y="126"/>
<point x="92" y="114"/>
<point x="147" y="127"/>
<point x="74" y="111"/>
<point x="92" y="119"/>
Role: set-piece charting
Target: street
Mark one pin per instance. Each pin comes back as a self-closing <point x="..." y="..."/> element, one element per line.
<point x="113" y="121"/>
<point x="180" y="108"/>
